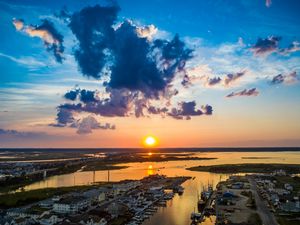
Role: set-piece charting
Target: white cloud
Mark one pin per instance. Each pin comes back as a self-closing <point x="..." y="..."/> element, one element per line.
<point x="146" y="31"/>
<point x="28" y="61"/>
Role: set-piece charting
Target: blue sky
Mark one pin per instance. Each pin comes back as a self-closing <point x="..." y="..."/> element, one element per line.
<point x="232" y="80"/>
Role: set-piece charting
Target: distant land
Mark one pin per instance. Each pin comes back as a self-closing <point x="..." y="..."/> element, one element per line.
<point x="111" y="150"/>
<point x="248" y="168"/>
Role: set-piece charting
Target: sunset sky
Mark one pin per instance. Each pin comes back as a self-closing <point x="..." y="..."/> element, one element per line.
<point x="108" y="73"/>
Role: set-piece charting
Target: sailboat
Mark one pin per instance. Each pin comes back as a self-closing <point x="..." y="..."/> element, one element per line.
<point x="201" y="204"/>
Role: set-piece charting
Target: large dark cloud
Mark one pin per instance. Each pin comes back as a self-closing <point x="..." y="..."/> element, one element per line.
<point x="132" y="60"/>
<point x="53" y="40"/>
<point x="245" y="92"/>
<point x="188" y="109"/>
<point x="137" y="69"/>
<point x="134" y="69"/>
<point x="124" y="103"/>
<point x="93" y="29"/>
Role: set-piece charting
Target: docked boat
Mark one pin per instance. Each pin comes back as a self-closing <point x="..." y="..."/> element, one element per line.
<point x="201" y="204"/>
<point x="180" y="190"/>
<point x="206" y="193"/>
<point x="196" y="217"/>
<point x="204" y="197"/>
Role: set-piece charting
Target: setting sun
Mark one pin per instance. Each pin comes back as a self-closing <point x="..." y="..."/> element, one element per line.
<point x="150" y="141"/>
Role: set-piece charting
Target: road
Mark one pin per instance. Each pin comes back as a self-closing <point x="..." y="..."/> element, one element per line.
<point x="266" y="216"/>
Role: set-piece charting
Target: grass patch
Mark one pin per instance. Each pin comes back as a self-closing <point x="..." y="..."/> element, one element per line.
<point x="254" y="219"/>
<point x="289" y="219"/>
<point x="294" y="181"/>
<point x="102" y="166"/>
<point x="27" y="197"/>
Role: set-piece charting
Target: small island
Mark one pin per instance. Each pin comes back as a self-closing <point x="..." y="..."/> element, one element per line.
<point x="248" y="168"/>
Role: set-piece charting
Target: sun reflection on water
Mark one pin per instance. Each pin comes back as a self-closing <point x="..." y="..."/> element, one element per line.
<point x="150" y="170"/>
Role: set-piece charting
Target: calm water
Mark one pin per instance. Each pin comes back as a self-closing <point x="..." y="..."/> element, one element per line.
<point x="178" y="209"/>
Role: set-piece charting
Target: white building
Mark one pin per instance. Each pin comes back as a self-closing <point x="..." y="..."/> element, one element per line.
<point x="71" y="204"/>
<point x="279" y="173"/>
<point x="101" y="197"/>
<point x="288" y="187"/>
<point x="126" y="186"/>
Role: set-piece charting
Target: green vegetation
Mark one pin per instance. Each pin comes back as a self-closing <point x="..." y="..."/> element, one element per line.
<point x="173" y="158"/>
<point x="294" y="181"/>
<point x="24" y="156"/>
<point x="292" y="219"/>
<point x="14" y="183"/>
<point x="27" y="197"/>
<point x="98" y="165"/>
<point x="254" y="219"/>
<point x="120" y="220"/>
<point x="248" y="168"/>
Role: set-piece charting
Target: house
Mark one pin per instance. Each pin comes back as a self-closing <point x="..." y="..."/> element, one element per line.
<point x="93" y="195"/>
<point x="49" y="219"/>
<point x="101" y="197"/>
<point x="116" y="209"/>
<point x="237" y="185"/>
<point x="275" y="199"/>
<point x="288" y="187"/>
<point x="85" y="219"/>
<point x="281" y="191"/>
<point x="48" y="203"/>
<point x="279" y="173"/>
<point x="17" y="221"/>
<point x="291" y="206"/>
<point x="94" y="220"/>
<point x="71" y="204"/>
<point x="126" y="186"/>
<point x="32" y="214"/>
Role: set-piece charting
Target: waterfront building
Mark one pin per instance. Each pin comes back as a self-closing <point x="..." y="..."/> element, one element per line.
<point x="71" y="204"/>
